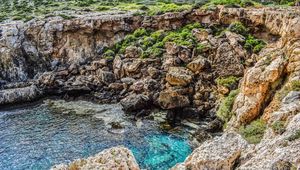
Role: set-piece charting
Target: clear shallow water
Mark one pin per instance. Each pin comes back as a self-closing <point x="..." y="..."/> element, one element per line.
<point x="37" y="138"/>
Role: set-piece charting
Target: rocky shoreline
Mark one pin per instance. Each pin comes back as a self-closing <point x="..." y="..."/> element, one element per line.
<point x="65" y="57"/>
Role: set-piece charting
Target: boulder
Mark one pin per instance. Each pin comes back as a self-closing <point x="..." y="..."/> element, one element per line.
<point x="179" y="76"/>
<point x="185" y="55"/>
<point x="17" y="95"/>
<point x="107" y="77"/>
<point x="171" y="99"/>
<point x="135" y="102"/>
<point x="198" y="64"/>
<point x="114" y="158"/>
<point x="133" y="52"/>
<point x="171" y="48"/>
<point x="219" y="153"/>
<point x="200" y="34"/>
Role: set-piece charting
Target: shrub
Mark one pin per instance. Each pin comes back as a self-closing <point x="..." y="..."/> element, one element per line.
<point x="227" y="82"/>
<point x="140" y="32"/>
<point x="64" y="16"/>
<point x="253" y="132"/>
<point x="224" y="111"/>
<point x="278" y="127"/>
<point x="294" y="136"/>
<point x="253" y="44"/>
<point x="238" y="28"/>
<point x="109" y="54"/>
<point x="292" y="86"/>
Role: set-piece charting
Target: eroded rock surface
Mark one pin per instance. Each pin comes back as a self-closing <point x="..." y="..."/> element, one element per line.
<point x="113" y="158"/>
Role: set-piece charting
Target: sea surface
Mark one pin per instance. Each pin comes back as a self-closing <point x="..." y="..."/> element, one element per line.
<point x="38" y="137"/>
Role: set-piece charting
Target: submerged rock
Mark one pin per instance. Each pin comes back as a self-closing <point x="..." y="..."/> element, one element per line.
<point x="114" y="158"/>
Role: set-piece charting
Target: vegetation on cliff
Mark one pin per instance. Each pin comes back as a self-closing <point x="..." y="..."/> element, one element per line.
<point x="29" y="9"/>
<point x="254" y="131"/>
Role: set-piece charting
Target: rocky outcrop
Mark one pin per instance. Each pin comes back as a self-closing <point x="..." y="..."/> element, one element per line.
<point x="18" y="95"/>
<point x="113" y="158"/>
<point x="219" y="153"/>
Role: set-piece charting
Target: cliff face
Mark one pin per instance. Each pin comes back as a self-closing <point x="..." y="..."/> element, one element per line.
<point x="269" y="89"/>
<point x="180" y="80"/>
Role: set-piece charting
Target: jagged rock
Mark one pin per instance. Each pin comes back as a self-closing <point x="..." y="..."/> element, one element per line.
<point x="200" y="34"/>
<point x="179" y="76"/>
<point x="185" y="55"/>
<point x="132" y="67"/>
<point x="107" y="77"/>
<point x="135" y="102"/>
<point x="198" y="64"/>
<point x="117" y="67"/>
<point x="114" y="158"/>
<point x="133" y="52"/>
<point x="256" y="87"/>
<point x="201" y="135"/>
<point x="219" y="153"/>
<point x="128" y="80"/>
<point x="172" y="99"/>
<point x="17" y="95"/>
<point x="172" y="48"/>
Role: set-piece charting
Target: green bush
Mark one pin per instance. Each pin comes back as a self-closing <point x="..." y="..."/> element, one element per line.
<point x="278" y="127"/>
<point x="224" y="112"/>
<point x="227" y="81"/>
<point x="254" y="45"/>
<point x="253" y="132"/>
<point x="238" y="28"/>
<point x="292" y="86"/>
<point x="294" y="136"/>
<point x="109" y="54"/>
<point x="140" y="32"/>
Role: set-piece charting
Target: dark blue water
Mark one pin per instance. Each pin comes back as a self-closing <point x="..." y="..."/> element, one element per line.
<point x="37" y="138"/>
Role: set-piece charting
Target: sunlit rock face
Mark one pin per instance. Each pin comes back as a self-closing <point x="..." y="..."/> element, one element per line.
<point x="113" y="158"/>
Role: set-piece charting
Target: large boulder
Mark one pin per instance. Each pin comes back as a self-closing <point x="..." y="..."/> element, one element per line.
<point x="17" y="95"/>
<point x="179" y="76"/>
<point x="198" y="64"/>
<point x="219" y="153"/>
<point x="133" y="52"/>
<point x="135" y="102"/>
<point x="170" y="99"/>
<point x="114" y="158"/>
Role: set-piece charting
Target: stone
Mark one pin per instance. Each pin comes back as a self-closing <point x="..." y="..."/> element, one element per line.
<point x="198" y="64"/>
<point x="218" y="153"/>
<point x="179" y="76"/>
<point x="257" y="84"/>
<point x="171" y="48"/>
<point x="18" y="95"/>
<point x="107" y="77"/>
<point x="133" y="52"/>
<point x="135" y="102"/>
<point x="172" y="99"/>
<point x="185" y="55"/>
<point x="117" y="157"/>
<point x="200" y="34"/>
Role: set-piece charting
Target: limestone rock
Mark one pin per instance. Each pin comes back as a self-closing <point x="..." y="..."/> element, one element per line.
<point x="17" y="95"/>
<point x="114" y="158"/>
<point x="256" y="87"/>
<point x="133" y="52"/>
<point x="198" y="64"/>
<point x="179" y="76"/>
<point x="135" y="102"/>
<point x="172" y="99"/>
<point x="219" y="153"/>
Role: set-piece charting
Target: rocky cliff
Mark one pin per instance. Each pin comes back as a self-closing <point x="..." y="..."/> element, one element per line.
<point x="190" y="78"/>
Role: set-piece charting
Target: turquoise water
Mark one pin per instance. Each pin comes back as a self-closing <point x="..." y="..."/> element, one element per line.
<point x="37" y="138"/>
